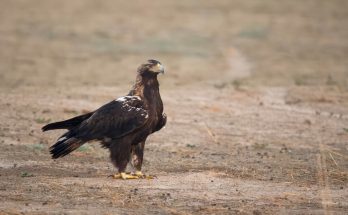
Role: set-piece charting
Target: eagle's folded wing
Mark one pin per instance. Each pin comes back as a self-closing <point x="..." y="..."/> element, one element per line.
<point x="114" y="120"/>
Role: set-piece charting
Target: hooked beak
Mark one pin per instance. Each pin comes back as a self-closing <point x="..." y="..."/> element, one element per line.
<point x="160" y="68"/>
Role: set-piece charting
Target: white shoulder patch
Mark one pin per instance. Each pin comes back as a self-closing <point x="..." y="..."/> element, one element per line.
<point x="137" y="97"/>
<point x="125" y="98"/>
<point x="121" y="99"/>
<point x="126" y="105"/>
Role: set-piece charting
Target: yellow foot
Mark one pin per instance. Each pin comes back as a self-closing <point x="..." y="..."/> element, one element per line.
<point x="141" y="175"/>
<point x="125" y="176"/>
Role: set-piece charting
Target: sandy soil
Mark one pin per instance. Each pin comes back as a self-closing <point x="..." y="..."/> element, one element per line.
<point x="255" y="93"/>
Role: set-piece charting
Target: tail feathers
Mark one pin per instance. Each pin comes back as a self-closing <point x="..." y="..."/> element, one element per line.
<point x="67" y="124"/>
<point x="65" y="145"/>
<point x="56" y="125"/>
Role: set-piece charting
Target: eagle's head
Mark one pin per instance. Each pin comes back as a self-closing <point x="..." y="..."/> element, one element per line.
<point x="151" y="68"/>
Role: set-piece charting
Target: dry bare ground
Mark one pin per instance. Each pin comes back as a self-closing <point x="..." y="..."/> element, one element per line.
<point x="255" y="93"/>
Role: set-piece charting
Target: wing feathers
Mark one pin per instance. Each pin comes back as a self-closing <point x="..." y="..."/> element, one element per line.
<point x="113" y="120"/>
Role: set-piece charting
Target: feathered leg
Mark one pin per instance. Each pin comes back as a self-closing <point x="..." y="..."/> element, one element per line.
<point x="120" y="156"/>
<point x="137" y="159"/>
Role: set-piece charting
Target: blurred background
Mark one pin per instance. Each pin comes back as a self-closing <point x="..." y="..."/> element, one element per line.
<point x="257" y="43"/>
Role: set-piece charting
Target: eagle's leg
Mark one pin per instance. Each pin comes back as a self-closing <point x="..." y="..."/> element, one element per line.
<point x="137" y="159"/>
<point x="119" y="154"/>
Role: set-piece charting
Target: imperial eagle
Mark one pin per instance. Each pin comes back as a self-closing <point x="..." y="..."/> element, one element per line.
<point x="121" y="125"/>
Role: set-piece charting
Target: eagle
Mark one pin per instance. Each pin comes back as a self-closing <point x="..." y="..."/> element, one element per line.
<point x="122" y="125"/>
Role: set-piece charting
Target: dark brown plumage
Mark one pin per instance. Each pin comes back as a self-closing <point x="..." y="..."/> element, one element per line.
<point x="121" y="125"/>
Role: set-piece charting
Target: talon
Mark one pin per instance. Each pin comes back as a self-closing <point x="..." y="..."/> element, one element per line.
<point x="116" y="176"/>
<point x="124" y="176"/>
<point x="136" y="175"/>
<point x="141" y="175"/>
